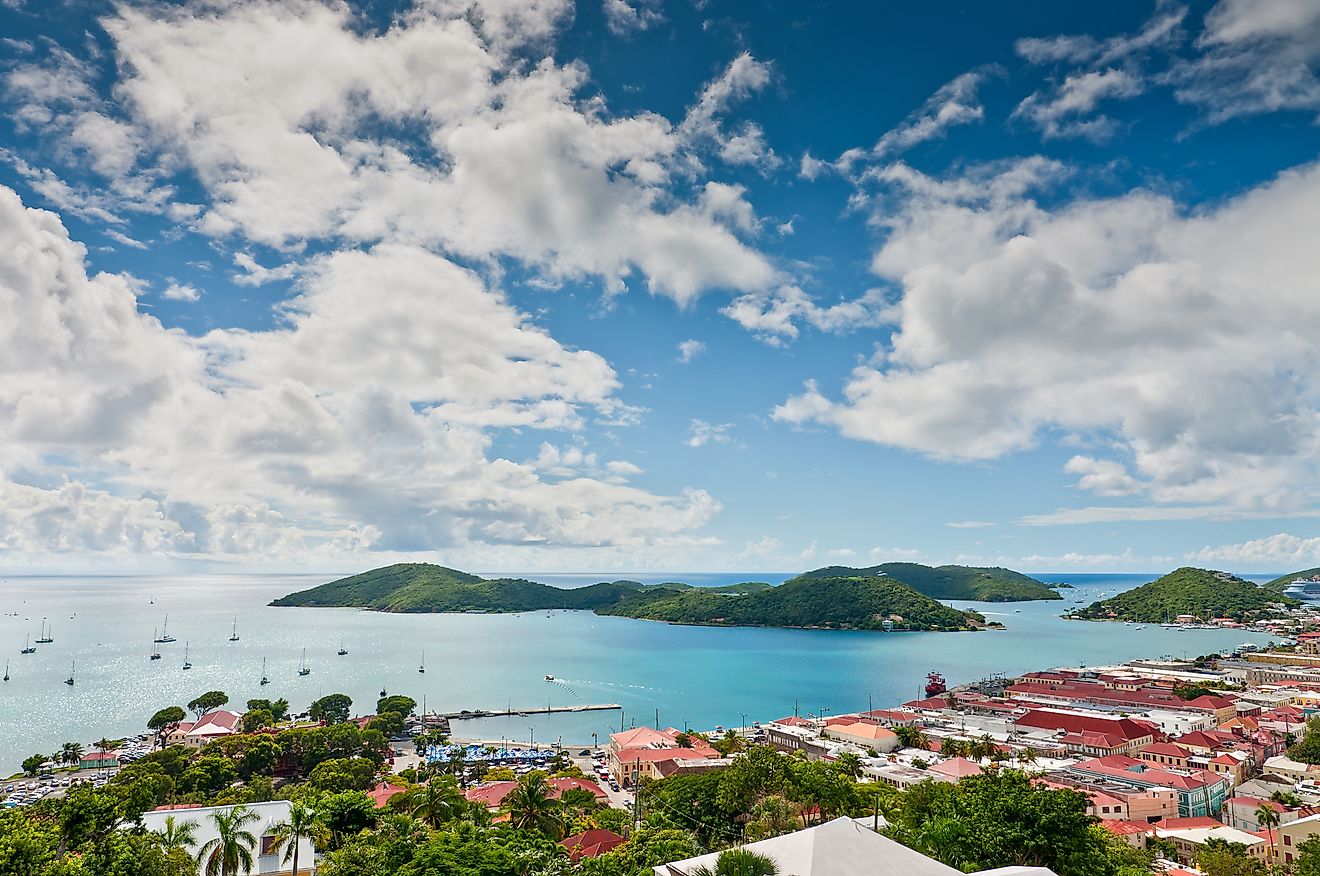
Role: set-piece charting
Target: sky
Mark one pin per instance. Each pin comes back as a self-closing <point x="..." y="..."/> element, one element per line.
<point x="626" y="284"/>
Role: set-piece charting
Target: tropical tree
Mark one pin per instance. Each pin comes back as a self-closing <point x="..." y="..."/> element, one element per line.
<point x="175" y="834"/>
<point x="849" y="764"/>
<point x="32" y="764"/>
<point x="164" y="721"/>
<point x="772" y="816"/>
<point x="1286" y="798"/>
<point x="104" y="745"/>
<point x="458" y="763"/>
<point x="303" y="823"/>
<point x="212" y="699"/>
<point x="739" y="862"/>
<point x="71" y="752"/>
<point x="1267" y="818"/>
<point x="436" y="802"/>
<point x="911" y="737"/>
<point x="230" y="852"/>
<point x="532" y="806"/>
<point x="331" y="708"/>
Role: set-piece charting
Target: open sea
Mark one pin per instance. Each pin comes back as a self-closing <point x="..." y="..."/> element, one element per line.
<point x="678" y="675"/>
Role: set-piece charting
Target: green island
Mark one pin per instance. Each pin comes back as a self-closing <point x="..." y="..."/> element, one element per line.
<point x="1200" y="593"/>
<point x="846" y="601"/>
<point x="951" y="582"/>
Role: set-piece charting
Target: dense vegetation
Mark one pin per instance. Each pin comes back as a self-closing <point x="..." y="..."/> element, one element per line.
<point x="951" y="582"/>
<point x="423" y="587"/>
<point x="845" y="602"/>
<point x="861" y="603"/>
<point x="997" y="819"/>
<point x="1281" y="583"/>
<point x="1202" y="593"/>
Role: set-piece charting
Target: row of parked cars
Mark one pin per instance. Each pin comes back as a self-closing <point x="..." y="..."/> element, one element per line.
<point x="602" y="771"/>
<point x="26" y="793"/>
<point x="135" y="748"/>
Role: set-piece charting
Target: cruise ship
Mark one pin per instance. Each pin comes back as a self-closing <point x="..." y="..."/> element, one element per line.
<point x="1304" y="588"/>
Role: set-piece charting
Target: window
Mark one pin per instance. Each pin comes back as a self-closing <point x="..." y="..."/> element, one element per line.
<point x="1287" y="839"/>
<point x="268" y="844"/>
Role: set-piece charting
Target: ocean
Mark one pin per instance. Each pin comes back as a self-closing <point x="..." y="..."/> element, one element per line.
<point x="674" y="675"/>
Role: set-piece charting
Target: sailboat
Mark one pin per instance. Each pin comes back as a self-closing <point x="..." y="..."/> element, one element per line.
<point x="155" y="652"/>
<point x="28" y="647"/>
<point x="186" y="664"/>
<point x="303" y="668"/>
<point x="69" y="680"/>
<point x="165" y="632"/>
<point x="233" y="635"/>
<point x="342" y="650"/>
<point x="264" y="679"/>
<point x="422" y="668"/>
<point x="44" y="638"/>
<point x="6" y="670"/>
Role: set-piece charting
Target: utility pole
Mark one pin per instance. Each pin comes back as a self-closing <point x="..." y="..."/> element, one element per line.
<point x="637" y="794"/>
<point x="657" y="719"/>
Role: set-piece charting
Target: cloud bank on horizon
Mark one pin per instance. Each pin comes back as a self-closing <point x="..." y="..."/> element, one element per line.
<point x="536" y="285"/>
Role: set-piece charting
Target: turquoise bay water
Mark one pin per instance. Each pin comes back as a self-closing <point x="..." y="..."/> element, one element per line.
<point x="700" y="676"/>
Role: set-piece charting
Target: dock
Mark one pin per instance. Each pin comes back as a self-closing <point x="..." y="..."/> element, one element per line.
<point x="539" y="710"/>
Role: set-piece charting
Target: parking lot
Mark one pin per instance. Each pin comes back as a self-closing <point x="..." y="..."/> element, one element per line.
<point x="26" y="791"/>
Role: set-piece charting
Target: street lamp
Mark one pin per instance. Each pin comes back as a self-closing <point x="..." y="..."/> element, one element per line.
<point x="532" y="730"/>
<point x="743" y="717"/>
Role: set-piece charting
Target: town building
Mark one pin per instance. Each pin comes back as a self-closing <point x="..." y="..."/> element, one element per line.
<point x="1199" y="793"/>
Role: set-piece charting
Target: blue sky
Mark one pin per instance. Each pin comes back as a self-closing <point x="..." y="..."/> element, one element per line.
<point x="632" y="285"/>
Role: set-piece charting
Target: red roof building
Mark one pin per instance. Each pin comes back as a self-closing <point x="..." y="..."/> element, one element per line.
<point x="384" y="793"/>
<point x="492" y="794"/>
<point x="590" y="843"/>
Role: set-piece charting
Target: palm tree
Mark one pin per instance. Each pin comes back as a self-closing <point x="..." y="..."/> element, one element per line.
<point x="458" y="763"/>
<point x="438" y="801"/>
<point x="739" y="862"/>
<point x="230" y="853"/>
<point x="303" y="823"/>
<point x="71" y="753"/>
<point x="532" y="807"/>
<point x="176" y="835"/>
<point x="1267" y="818"/>
<point x="1286" y="798"/>
<point x="849" y="764"/>
<point x="105" y="745"/>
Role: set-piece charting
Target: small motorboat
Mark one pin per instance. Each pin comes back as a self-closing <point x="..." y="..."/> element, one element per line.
<point x="549" y="678"/>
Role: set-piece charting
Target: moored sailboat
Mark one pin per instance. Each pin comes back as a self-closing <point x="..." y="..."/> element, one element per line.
<point x="342" y="650"/>
<point x="264" y="679"/>
<point x="44" y="638"/>
<point x="186" y="664"/>
<point x="233" y="634"/>
<point x="165" y="632"/>
<point x="28" y="647"/>
<point x="303" y="668"/>
<point x="72" y="667"/>
<point x="155" y="652"/>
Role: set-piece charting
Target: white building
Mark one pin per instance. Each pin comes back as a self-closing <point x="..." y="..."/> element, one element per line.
<point x="842" y="847"/>
<point x="264" y="858"/>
